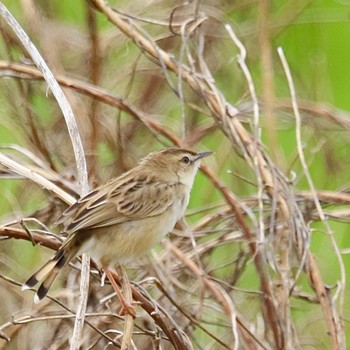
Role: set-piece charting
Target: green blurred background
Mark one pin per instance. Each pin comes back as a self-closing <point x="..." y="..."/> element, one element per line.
<point x="315" y="38"/>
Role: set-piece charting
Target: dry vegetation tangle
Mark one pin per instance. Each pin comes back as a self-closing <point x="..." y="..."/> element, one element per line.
<point x="232" y="273"/>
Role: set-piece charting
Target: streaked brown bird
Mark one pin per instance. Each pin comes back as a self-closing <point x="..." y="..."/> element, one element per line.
<point x="122" y="219"/>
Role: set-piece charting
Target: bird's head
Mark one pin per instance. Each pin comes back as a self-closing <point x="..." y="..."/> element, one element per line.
<point x="175" y="164"/>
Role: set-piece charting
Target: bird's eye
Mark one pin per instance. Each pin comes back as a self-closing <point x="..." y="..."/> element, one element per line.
<point x="185" y="160"/>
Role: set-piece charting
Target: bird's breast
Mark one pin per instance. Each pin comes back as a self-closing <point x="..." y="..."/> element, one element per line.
<point x="122" y="243"/>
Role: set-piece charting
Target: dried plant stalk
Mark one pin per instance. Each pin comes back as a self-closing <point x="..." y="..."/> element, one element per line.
<point x="234" y="272"/>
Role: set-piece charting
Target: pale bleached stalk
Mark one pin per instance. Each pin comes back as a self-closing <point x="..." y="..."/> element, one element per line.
<point x="59" y="95"/>
<point x="26" y="153"/>
<point x="81" y="310"/>
<point x="311" y="184"/>
<point x="129" y="321"/>
<point x="180" y="82"/>
<point x="233" y="317"/>
<point x="305" y="167"/>
<point x="78" y="153"/>
<point x="35" y="177"/>
<point x="241" y="60"/>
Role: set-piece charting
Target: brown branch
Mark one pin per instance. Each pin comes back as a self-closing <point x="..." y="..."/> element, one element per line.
<point x="276" y="192"/>
<point x="95" y="92"/>
<point x="268" y="77"/>
<point x="250" y="340"/>
<point x="161" y="318"/>
<point x="317" y="110"/>
<point x="95" y="69"/>
<point x="325" y="299"/>
<point x="16" y="233"/>
<point x="204" y="87"/>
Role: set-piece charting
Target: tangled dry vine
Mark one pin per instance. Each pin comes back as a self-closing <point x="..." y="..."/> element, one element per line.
<point x="195" y="297"/>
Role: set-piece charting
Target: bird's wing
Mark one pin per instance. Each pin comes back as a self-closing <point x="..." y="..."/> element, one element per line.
<point x="118" y="202"/>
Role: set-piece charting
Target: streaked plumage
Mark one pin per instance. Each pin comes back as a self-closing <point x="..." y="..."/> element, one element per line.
<point x="124" y="218"/>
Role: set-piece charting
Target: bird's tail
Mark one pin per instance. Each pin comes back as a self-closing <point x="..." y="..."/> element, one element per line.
<point x="48" y="273"/>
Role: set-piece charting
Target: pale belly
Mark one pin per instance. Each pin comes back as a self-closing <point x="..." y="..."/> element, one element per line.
<point x="123" y="243"/>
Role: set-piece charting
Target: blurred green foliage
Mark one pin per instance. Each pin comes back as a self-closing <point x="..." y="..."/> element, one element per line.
<point x="315" y="38"/>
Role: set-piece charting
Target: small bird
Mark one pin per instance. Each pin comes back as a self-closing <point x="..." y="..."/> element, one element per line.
<point x="122" y="219"/>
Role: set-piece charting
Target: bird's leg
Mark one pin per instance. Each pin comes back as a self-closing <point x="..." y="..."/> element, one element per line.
<point x="127" y="307"/>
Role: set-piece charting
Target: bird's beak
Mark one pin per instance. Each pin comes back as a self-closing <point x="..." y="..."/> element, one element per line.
<point x="202" y="155"/>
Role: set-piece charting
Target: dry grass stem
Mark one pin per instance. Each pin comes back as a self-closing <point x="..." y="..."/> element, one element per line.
<point x="260" y="261"/>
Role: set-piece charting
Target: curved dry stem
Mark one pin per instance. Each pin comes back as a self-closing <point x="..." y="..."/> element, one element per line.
<point x="265" y="236"/>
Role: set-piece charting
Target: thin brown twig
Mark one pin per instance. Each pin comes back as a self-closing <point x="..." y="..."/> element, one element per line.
<point x="218" y="295"/>
<point x="216" y="103"/>
<point x="268" y="77"/>
<point x="275" y="234"/>
<point x="95" y="69"/>
<point x="163" y="320"/>
<point x="103" y="334"/>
